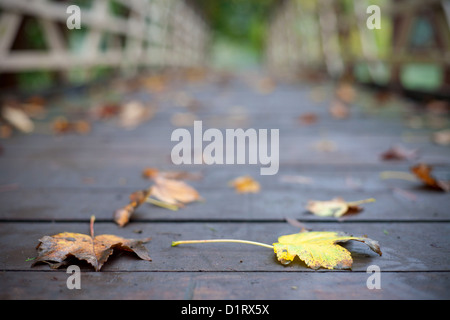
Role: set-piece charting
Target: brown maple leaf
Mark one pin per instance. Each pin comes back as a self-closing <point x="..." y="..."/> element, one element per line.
<point x="57" y="249"/>
<point x="423" y="172"/>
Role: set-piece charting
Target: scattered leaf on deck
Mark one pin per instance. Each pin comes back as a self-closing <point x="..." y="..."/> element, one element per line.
<point x="245" y="184"/>
<point x="339" y="109"/>
<point x="17" y="118"/>
<point x="308" y="118"/>
<point x="55" y="250"/>
<point x="442" y="137"/>
<point x="135" y="113"/>
<point x="152" y="173"/>
<point x="423" y="172"/>
<point x="399" y="153"/>
<point x="319" y="249"/>
<point x="122" y="216"/>
<point x="316" y="248"/>
<point x="346" y="92"/>
<point x="61" y="125"/>
<point x="336" y="207"/>
<point x="173" y="192"/>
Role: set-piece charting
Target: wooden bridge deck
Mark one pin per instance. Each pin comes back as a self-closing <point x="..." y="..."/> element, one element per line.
<point x="53" y="183"/>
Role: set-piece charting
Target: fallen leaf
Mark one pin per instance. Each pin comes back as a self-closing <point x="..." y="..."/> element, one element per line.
<point x="5" y="131"/>
<point x="319" y="249"/>
<point x="399" y="153"/>
<point x="18" y="119"/>
<point x="423" y="172"/>
<point x="346" y="92"/>
<point x="151" y="173"/>
<point x="55" y="250"/>
<point x="106" y="111"/>
<point x="245" y="184"/>
<point x="173" y="192"/>
<point x="336" y="207"/>
<point x="134" y="113"/>
<point x="308" y="118"/>
<point x="61" y="125"/>
<point x="339" y="109"/>
<point x="122" y="216"/>
<point x="316" y="248"/>
<point x="442" y="137"/>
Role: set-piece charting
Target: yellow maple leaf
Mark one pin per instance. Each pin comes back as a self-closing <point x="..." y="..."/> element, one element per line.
<point x="319" y="249"/>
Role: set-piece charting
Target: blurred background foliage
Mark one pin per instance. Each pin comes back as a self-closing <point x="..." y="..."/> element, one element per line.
<point x="239" y="29"/>
<point x="239" y="34"/>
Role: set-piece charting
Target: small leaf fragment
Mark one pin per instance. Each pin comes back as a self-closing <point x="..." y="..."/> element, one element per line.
<point x="423" y="172"/>
<point x="399" y="153"/>
<point x="245" y="184"/>
<point x="336" y="207"/>
<point x="122" y="216"/>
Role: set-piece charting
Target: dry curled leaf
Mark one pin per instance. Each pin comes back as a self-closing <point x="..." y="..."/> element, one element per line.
<point x="336" y="207"/>
<point x="442" y="137"/>
<point x="134" y="113"/>
<point x="399" y="153"/>
<point x="319" y="249"/>
<point x="345" y="92"/>
<point x="245" y="184"/>
<point x="61" y="125"/>
<point x="308" y="118"/>
<point x="173" y="192"/>
<point x="17" y="118"/>
<point x="339" y="109"/>
<point x="57" y="250"/>
<point x="122" y="216"/>
<point x="423" y="172"/>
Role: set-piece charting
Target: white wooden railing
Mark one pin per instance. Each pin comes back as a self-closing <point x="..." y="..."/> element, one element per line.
<point x="319" y="35"/>
<point x="155" y="33"/>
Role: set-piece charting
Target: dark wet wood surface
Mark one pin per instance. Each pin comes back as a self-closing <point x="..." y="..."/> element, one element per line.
<point x="50" y="184"/>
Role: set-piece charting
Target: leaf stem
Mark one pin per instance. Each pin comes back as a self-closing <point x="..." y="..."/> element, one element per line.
<point x="175" y="243"/>
<point x="355" y="203"/>
<point x="91" y="225"/>
<point x="158" y="203"/>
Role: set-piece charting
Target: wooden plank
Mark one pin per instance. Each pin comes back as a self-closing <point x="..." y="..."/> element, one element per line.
<point x="44" y="285"/>
<point x="420" y="246"/>
<point x="274" y="203"/>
